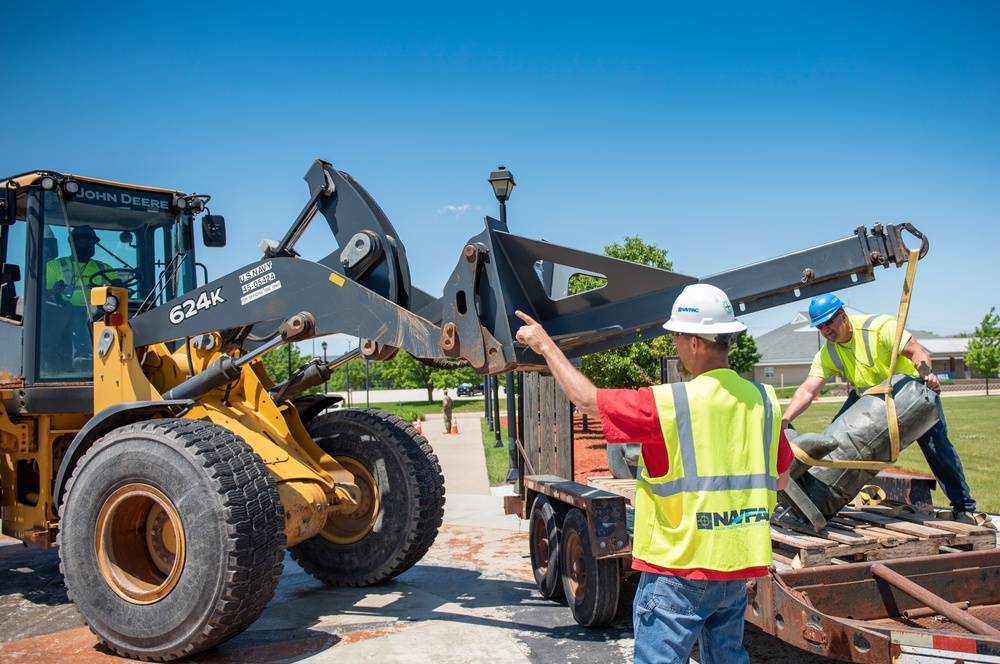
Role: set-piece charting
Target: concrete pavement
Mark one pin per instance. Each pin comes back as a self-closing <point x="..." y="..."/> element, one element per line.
<point x="472" y="598"/>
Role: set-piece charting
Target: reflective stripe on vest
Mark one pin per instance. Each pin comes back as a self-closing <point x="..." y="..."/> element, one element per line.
<point x="839" y="363"/>
<point x="692" y="481"/>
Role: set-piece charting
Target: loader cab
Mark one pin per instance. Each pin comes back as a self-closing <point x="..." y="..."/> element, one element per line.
<point x="62" y="236"/>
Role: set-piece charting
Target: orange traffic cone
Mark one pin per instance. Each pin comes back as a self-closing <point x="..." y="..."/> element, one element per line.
<point x="419" y="426"/>
<point x="454" y="424"/>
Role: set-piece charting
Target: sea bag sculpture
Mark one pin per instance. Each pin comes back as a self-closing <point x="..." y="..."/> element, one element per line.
<point x="817" y="493"/>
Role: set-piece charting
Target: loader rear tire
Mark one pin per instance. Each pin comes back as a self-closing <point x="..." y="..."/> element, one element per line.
<point x="171" y="538"/>
<point x="402" y="499"/>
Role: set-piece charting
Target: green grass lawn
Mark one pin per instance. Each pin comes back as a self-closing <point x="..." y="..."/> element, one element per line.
<point x="497" y="459"/>
<point x="974" y="429"/>
<point x="409" y="410"/>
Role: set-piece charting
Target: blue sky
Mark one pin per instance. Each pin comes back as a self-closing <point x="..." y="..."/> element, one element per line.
<point x="726" y="132"/>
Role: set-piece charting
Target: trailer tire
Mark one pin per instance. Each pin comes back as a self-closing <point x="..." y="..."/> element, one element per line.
<point x="171" y="539"/>
<point x="402" y="503"/>
<point x="590" y="584"/>
<point x="543" y="544"/>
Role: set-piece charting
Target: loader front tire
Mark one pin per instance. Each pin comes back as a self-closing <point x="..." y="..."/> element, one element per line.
<point x="402" y="503"/>
<point x="171" y="538"/>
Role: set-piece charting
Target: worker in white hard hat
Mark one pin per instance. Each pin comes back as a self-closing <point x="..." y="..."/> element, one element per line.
<point x="713" y="458"/>
<point x="859" y="348"/>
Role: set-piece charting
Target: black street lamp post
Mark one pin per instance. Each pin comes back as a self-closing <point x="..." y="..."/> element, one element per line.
<point x="503" y="184"/>
<point x="326" y="383"/>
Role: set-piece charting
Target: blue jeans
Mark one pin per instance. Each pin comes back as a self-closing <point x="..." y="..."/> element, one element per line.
<point x="942" y="459"/>
<point x="671" y="612"/>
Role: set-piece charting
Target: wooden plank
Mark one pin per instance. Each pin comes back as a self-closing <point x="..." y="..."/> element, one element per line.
<point x="531" y="433"/>
<point x="547" y="424"/>
<point x="620" y="487"/>
<point x="564" y="434"/>
<point x="799" y="541"/>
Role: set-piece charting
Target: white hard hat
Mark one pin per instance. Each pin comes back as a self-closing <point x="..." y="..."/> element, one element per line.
<point x="704" y="310"/>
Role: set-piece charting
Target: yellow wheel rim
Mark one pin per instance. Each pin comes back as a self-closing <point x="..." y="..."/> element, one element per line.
<point x="350" y="526"/>
<point x="139" y="543"/>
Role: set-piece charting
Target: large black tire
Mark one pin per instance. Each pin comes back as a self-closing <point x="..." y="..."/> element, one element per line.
<point x="171" y="538"/>
<point x="590" y="584"/>
<point x="543" y="545"/>
<point x="402" y="502"/>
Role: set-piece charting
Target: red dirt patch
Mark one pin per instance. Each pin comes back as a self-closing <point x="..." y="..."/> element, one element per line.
<point x="590" y="450"/>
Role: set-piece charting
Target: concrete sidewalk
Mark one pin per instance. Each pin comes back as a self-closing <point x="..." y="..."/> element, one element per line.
<point x="469" y="499"/>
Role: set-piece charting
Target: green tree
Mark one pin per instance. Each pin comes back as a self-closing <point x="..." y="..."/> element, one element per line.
<point x="743" y="354"/>
<point x="404" y="372"/>
<point x="449" y="378"/>
<point x="277" y="362"/>
<point x="638" y="364"/>
<point x="983" y="351"/>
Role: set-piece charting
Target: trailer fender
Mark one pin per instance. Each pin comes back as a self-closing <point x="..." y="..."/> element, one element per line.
<point x="112" y="417"/>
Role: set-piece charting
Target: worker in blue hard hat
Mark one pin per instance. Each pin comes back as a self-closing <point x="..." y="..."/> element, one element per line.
<point x="710" y="450"/>
<point x="859" y="348"/>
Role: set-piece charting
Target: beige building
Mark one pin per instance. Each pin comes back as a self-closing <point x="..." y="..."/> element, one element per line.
<point x="788" y="352"/>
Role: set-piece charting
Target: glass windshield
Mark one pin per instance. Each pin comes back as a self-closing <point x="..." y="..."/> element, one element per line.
<point x="105" y="236"/>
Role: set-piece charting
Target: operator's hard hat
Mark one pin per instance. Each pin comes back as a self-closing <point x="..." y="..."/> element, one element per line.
<point x="823" y="307"/>
<point x="703" y="309"/>
<point x="84" y="232"/>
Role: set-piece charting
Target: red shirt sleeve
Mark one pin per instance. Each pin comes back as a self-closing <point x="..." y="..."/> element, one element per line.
<point x="785" y="454"/>
<point x="629" y="416"/>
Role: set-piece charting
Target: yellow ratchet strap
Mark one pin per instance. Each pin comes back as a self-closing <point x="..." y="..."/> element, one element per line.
<point x="884" y="388"/>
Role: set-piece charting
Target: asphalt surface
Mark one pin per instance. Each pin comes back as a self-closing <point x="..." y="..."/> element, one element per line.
<point x="471" y="599"/>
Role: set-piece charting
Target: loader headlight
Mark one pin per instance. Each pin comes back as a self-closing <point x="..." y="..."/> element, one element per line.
<point x="70" y="187"/>
<point x="110" y="305"/>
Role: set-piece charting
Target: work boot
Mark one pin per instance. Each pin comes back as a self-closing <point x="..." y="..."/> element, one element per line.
<point x="965" y="517"/>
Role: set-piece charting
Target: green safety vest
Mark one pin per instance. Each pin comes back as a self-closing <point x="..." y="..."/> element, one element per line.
<point x="712" y="509"/>
<point x="64" y="269"/>
<point x="862" y="361"/>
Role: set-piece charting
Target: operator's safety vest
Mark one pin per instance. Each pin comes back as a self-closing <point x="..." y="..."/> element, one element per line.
<point x="712" y="509"/>
<point x="64" y="269"/>
<point x="858" y="361"/>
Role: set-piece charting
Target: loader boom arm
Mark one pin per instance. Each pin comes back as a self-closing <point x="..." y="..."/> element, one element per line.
<point x="368" y="295"/>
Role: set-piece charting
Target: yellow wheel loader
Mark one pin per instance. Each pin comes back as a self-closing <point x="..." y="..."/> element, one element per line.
<point x="141" y="434"/>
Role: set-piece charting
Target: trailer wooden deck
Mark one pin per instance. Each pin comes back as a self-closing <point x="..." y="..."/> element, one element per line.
<point x="886" y="531"/>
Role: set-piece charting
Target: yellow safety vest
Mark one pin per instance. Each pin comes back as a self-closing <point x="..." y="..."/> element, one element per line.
<point x="64" y="269"/>
<point x="712" y="509"/>
<point x="862" y="361"/>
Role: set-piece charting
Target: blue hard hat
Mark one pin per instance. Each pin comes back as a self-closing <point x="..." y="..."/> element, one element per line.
<point x="823" y="307"/>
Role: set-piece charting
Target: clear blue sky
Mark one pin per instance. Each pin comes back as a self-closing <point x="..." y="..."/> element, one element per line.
<point x="725" y="132"/>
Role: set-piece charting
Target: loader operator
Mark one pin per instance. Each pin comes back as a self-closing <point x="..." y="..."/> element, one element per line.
<point x="860" y="349"/>
<point x="713" y="458"/>
<point x="68" y="281"/>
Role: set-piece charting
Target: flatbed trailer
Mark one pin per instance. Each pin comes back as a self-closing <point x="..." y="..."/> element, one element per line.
<point x="885" y="582"/>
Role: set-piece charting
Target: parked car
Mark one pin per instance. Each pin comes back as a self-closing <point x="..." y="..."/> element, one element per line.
<point x="469" y="390"/>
